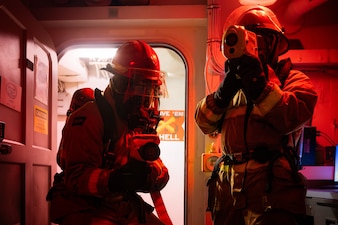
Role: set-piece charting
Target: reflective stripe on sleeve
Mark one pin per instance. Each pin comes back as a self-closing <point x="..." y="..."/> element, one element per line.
<point x="209" y="113"/>
<point x="263" y="107"/>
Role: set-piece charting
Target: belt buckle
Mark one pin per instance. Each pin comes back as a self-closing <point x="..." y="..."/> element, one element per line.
<point x="228" y="159"/>
<point x="238" y="157"/>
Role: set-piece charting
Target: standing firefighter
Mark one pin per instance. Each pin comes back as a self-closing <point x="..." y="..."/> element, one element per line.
<point x="259" y="109"/>
<point x="110" y="147"/>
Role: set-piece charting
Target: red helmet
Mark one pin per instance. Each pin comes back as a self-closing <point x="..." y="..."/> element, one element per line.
<point x="137" y="55"/>
<point x="260" y="20"/>
<point x="138" y="62"/>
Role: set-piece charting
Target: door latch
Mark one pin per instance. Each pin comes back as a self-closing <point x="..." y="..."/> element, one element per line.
<point x="4" y="148"/>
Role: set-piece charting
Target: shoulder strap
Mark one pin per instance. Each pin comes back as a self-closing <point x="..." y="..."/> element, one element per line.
<point x="216" y="169"/>
<point x="109" y="132"/>
<point x="107" y="115"/>
<point x="283" y="69"/>
<point x="212" y="185"/>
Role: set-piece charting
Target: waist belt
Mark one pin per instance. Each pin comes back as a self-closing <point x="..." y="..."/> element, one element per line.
<point x="237" y="158"/>
<point x="259" y="155"/>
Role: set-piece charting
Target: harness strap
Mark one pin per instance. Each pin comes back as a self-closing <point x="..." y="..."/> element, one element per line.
<point x="212" y="184"/>
<point x="268" y="187"/>
<point x="109" y="133"/>
<point x="249" y="108"/>
<point x="107" y="115"/>
<point x="292" y="157"/>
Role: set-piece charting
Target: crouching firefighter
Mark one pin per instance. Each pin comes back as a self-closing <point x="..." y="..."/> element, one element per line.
<point x="259" y="110"/>
<point x="110" y="148"/>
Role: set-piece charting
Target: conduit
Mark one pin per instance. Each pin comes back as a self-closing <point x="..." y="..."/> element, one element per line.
<point x="214" y="59"/>
<point x="292" y="15"/>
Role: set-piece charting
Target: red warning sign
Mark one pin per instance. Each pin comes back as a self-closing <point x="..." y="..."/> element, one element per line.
<point x="171" y="128"/>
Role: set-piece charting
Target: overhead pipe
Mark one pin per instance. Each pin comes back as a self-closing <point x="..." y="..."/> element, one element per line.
<point x="214" y="70"/>
<point x="292" y="14"/>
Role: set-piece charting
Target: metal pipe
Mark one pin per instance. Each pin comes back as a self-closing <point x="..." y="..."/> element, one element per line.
<point x="293" y="14"/>
<point x="214" y="59"/>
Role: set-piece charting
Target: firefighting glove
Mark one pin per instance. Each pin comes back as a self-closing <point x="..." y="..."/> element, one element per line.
<point x="130" y="177"/>
<point x="253" y="77"/>
<point x="229" y="86"/>
<point x="157" y="178"/>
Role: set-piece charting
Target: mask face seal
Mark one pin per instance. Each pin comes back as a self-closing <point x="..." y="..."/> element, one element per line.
<point x="143" y="119"/>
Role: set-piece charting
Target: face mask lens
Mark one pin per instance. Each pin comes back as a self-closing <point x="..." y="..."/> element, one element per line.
<point x="143" y="89"/>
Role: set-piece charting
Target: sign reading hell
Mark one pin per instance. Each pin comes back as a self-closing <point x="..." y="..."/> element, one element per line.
<point x="171" y="128"/>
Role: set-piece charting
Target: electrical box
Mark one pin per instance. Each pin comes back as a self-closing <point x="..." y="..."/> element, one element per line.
<point x="208" y="161"/>
<point x="308" y="157"/>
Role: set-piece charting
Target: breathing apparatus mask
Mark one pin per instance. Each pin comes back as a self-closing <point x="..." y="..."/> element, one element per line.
<point x="140" y="100"/>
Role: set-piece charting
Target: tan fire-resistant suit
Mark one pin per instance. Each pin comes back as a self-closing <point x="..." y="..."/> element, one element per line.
<point x="241" y="195"/>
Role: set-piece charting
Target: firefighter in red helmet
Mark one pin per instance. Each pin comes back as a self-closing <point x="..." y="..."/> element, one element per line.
<point x="259" y="110"/>
<point x="111" y="148"/>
